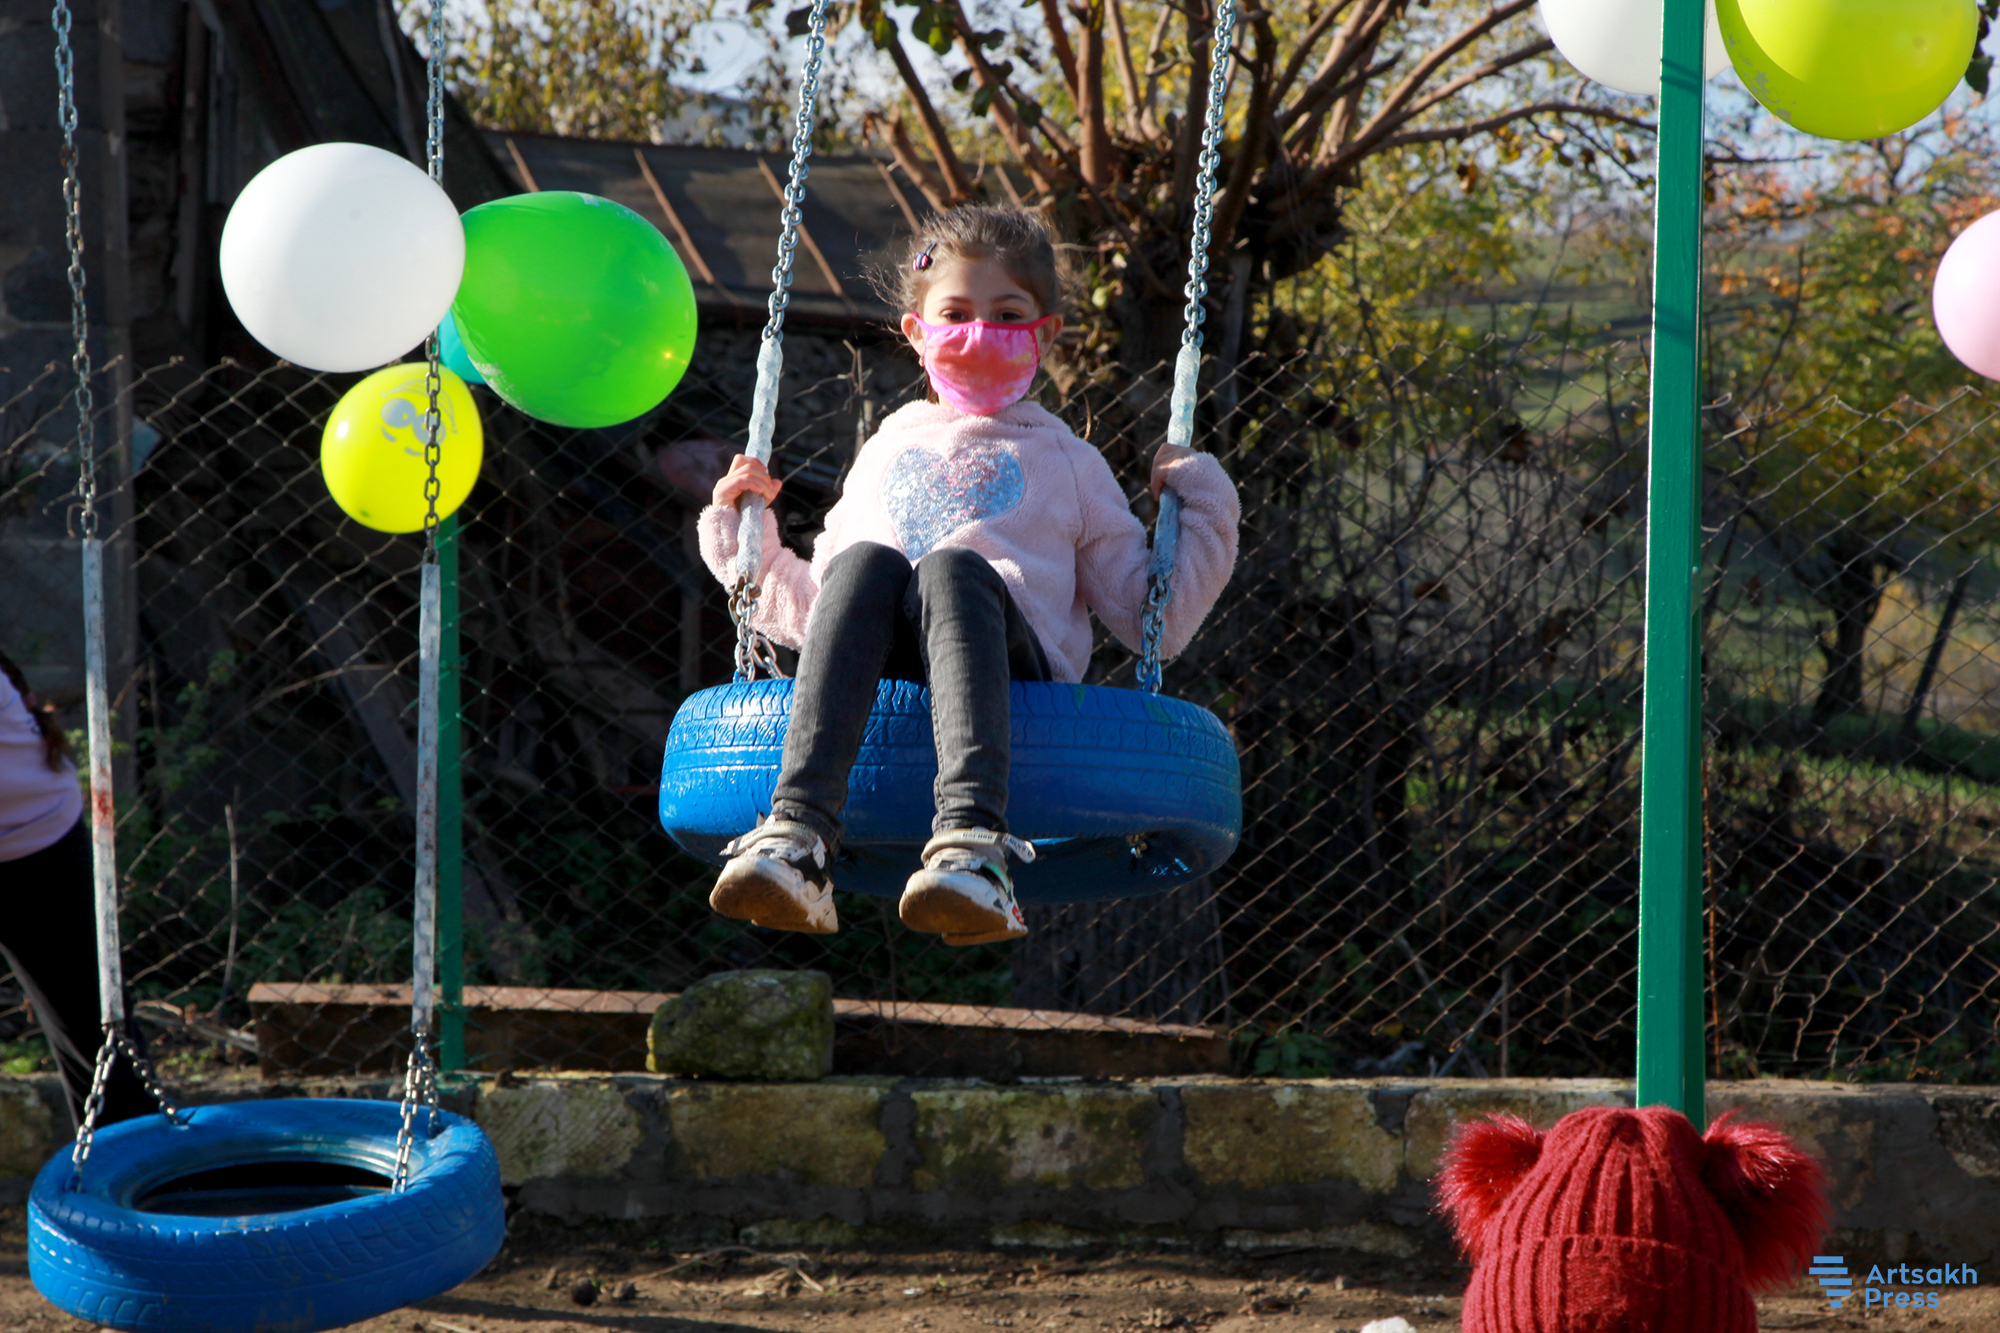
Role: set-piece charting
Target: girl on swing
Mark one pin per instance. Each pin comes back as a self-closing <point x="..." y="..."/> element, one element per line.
<point x="972" y="538"/>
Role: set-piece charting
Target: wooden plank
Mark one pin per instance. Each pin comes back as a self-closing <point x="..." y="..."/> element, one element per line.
<point x="314" y="1028"/>
<point x="895" y="192"/>
<point x="805" y="235"/>
<point x="521" y="165"/>
<point x="695" y="260"/>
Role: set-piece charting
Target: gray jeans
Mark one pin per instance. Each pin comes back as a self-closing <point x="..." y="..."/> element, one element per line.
<point x="949" y="621"/>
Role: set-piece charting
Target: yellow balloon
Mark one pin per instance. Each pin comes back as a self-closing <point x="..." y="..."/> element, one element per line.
<point x="372" y="451"/>
<point x="1849" y="69"/>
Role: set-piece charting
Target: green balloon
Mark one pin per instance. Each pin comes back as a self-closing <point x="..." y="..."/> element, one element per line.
<point x="1849" y="69"/>
<point x="573" y="308"/>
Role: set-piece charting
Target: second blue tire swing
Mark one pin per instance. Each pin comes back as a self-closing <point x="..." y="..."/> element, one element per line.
<point x="268" y="1216"/>
<point x="1123" y="792"/>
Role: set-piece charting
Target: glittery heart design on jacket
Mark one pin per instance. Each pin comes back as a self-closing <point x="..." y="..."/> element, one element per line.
<point x="931" y="494"/>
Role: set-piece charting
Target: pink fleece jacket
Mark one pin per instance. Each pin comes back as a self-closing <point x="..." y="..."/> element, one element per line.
<point x="1021" y="490"/>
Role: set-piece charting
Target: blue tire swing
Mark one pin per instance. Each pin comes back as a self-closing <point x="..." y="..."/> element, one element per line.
<point x="281" y="1216"/>
<point x="1123" y="792"/>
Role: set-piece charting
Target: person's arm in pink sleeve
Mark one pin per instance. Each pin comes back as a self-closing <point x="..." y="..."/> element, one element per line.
<point x="1113" y="556"/>
<point x="786" y="581"/>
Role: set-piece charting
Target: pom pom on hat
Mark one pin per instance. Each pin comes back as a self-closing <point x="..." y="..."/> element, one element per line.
<point x="1623" y="1221"/>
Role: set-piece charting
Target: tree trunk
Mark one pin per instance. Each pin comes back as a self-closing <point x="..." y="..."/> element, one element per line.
<point x="1853" y="592"/>
<point x="1928" y="676"/>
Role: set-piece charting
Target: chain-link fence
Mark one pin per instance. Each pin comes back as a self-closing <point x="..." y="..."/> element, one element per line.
<point x="1429" y="659"/>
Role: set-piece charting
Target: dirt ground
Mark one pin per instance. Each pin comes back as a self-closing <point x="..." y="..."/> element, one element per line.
<point x="554" y="1279"/>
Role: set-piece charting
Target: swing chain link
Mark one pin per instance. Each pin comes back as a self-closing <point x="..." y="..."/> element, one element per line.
<point x="1209" y="164"/>
<point x="752" y="651"/>
<point x="420" y="1076"/>
<point x="1160" y="588"/>
<point x="433" y="378"/>
<point x="116" y="1042"/>
<point x="420" y="1085"/>
<point x="79" y="311"/>
<point x="1152" y="625"/>
<point x="795" y="182"/>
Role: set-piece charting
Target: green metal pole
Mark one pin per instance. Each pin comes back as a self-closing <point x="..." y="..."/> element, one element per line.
<point x="1671" y="973"/>
<point x="451" y="829"/>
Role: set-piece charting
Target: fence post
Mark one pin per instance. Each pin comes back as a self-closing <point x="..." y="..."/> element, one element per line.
<point x="451" y="829"/>
<point x="1671" y="974"/>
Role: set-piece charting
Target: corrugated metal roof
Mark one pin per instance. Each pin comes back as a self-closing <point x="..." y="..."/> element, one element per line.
<point x="719" y="208"/>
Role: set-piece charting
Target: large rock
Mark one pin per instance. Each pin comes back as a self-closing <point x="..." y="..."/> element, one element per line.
<point x="769" y="1026"/>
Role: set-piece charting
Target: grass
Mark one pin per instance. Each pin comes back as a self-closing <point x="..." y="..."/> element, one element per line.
<point x="28" y="1055"/>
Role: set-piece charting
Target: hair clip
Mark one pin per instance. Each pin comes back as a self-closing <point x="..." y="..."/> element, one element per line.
<point x="923" y="260"/>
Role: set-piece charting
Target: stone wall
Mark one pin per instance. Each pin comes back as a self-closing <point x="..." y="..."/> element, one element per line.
<point x="1240" y="1164"/>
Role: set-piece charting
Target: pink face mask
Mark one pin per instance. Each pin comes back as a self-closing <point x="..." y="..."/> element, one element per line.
<point x="980" y="366"/>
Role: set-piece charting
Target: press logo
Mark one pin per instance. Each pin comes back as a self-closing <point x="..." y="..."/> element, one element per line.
<point x="1832" y="1274"/>
<point x="1878" y="1290"/>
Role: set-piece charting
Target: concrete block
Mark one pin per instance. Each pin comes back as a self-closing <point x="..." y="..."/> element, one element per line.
<point x="826" y="1133"/>
<point x="1896" y="1162"/>
<point x="979" y="1139"/>
<point x="564" y="1128"/>
<point x="1260" y="1136"/>
<point x="27" y="1131"/>
<point x="762" y="1024"/>
<point x="1969" y="1126"/>
<point x="1440" y="1108"/>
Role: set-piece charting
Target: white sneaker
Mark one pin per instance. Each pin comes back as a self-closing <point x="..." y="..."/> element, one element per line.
<point x="777" y="878"/>
<point x="963" y="892"/>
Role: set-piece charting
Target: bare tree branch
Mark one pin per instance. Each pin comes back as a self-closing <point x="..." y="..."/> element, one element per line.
<point x="1139" y="122"/>
<point x="1040" y="169"/>
<point x="1096" y="163"/>
<point x="1308" y="41"/>
<point x="1439" y="56"/>
<point x="1257" y="134"/>
<point x="1472" y="129"/>
<point x="1306" y="131"/>
<point x="934" y="130"/>
<point x="1355" y="46"/>
<point x="1153" y="67"/>
<point x="1059" y="43"/>
<point x="1187" y="143"/>
<point x="913" y="166"/>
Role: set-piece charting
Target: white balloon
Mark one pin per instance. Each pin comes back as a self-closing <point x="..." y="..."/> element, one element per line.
<point x="341" y="256"/>
<point x="1617" y="42"/>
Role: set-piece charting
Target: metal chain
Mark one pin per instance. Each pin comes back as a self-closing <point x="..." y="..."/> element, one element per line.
<point x="1152" y="624"/>
<point x="420" y="1085"/>
<point x="79" y="314"/>
<point x="420" y="1078"/>
<point x="751" y="650"/>
<point x="433" y="380"/>
<point x="1208" y="164"/>
<point x="1180" y="430"/>
<point x="795" y="183"/>
<point x="115" y="1043"/>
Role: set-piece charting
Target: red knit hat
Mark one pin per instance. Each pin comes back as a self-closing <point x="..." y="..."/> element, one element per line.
<point x="1627" y="1221"/>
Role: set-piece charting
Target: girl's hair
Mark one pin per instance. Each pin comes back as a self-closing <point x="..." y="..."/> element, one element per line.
<point x="1019" y="239"/>
<point x="55" y="745"/>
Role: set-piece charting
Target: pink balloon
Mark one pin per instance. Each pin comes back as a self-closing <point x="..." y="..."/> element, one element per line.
<point x="1966" y="297"/>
